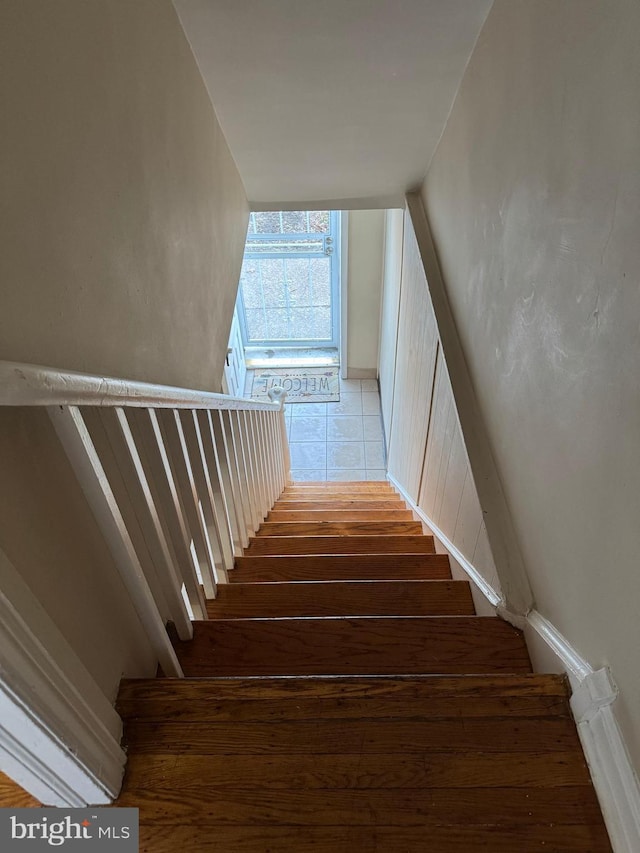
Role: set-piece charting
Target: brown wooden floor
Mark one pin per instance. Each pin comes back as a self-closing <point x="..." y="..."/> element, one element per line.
<point x="13" y="796"/>
<point x="344" y="697"/>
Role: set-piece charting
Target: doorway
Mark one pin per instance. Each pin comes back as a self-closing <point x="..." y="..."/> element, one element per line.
<point x="289" y="293"/>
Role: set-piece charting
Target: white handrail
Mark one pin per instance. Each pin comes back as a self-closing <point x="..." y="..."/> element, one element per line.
<point x="36" y="385"/>
<point x="177" y="480"/>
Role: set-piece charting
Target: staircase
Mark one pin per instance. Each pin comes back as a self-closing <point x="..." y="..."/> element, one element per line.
<point x="344" y="696"/>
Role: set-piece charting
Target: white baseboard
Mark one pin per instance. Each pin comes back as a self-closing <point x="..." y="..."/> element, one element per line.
<point x="361" y="373"/>
<point x="592" y="702"/>
<point x="594" y="694"/>
<point x="492" y="596"/>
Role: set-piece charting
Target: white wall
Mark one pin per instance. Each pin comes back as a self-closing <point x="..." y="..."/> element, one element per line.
<point x="364" y="287"/>
<point x="124" y="216"/>
<point x="123" y="226"/>
<point x="533" y="198"/>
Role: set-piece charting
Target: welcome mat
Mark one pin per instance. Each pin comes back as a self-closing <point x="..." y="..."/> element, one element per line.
<point x="302" y="384"/>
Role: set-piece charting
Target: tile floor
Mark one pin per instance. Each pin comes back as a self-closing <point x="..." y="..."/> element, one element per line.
<point x="338" y="441"/>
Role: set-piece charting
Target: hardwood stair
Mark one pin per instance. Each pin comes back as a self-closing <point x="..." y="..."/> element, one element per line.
<point x="343" y="696"/>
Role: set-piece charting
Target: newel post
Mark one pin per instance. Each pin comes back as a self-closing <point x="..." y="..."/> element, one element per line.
<point x="277" y="394"/>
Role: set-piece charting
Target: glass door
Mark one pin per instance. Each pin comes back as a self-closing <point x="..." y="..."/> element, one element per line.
<point x="289" y="285"/>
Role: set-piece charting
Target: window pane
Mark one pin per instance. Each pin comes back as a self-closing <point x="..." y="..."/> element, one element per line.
<point x="319" y="221"/>
<point x="267" y="222"/>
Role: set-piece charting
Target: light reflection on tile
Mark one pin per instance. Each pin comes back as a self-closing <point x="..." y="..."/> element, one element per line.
<point x="344" y="428"/>
<point x="308" y="454"/>
<point x="308" y="429"/>
<point x="345" y="454"/>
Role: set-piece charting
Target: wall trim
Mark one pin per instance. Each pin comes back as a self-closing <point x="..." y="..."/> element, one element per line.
<point x="594" y="693"/>
<point x="59" y="734"/>
<point x="344" y="293"/>
<point x="492" y="596"/>
<point x="574" y="664"/>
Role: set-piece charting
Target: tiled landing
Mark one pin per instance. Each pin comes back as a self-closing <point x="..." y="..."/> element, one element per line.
<point x="337" y="441"/>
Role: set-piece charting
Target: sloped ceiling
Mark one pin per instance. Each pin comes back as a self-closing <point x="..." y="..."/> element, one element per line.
<point x="336" y="103"/>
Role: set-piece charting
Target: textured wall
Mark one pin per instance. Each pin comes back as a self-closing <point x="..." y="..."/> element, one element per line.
<point x="534" y="202"/>
<point x="123" y="223"/>
<point x="123" y="216"/>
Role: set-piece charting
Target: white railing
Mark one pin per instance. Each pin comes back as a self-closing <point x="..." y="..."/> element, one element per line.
<point x="177" y="480"/>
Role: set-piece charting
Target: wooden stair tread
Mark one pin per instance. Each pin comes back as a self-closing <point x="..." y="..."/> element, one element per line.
<point x="255" y="838"/>
<point x="340" y="515"/>
<point x="355" y="771"/>
<point x="333" y="486"/>
<point x="432" y="807"/>
<point x="354" y="645"/>
<point x="341" y="567"/>
<point x="340" y="528"/>
<point x="371" y="737"/>
<point x="403" y="544"/>
<point x="342" y="495"/>
<point x="342" y="697"/>
<point x="306" y="505"/>
<point x="342" y="598"/>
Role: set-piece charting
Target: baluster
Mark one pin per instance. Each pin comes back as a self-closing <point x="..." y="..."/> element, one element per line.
<point x="150" y="527"/>
<point x="277" y="454"/>
<point x="270" y="458"/>
<point x="76" y="440"/>
<point x="214" y="478"/>
<point x="95" y="424"/>
<point x="280" y="438"/>
<point x="146" y="429"/>
<point x="204" y="487"/>
<point x="178" y="453"/>
<point x="228" y="466"/>
<point x="259" y="438"/>
<point x="254" y="482"/>
<point x="230" y="424"/>
<point x="241" y="438"/>
<point x="279" y="395"/>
